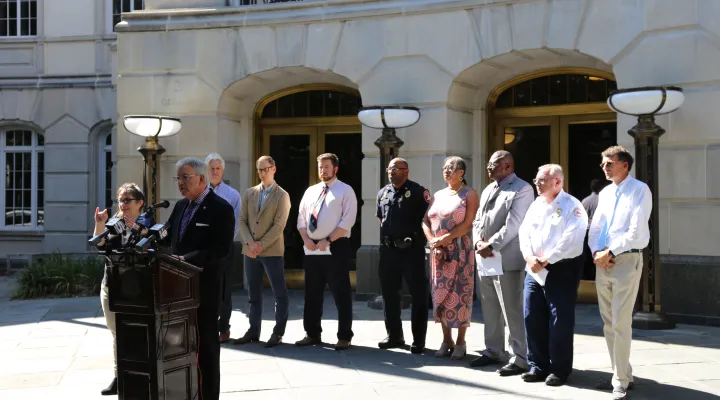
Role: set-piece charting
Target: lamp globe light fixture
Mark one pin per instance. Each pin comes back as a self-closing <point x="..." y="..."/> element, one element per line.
<point x="645" y="103"/>
<point x="152" y="127"/>
<point x="388" y="118"/>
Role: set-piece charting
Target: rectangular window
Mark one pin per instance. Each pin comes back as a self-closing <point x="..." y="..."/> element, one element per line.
<point x="124" y="6"/>
<point x="18" y="18"/>
<point x="23" y="169"/>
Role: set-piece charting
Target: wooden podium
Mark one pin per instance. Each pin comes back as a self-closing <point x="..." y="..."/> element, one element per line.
<point x="155" y="300"/>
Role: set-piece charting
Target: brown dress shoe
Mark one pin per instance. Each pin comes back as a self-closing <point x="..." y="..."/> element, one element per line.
<point x="273" y="341"/>
<point x="342" y="345"/>
<point x="308" y="341"/>
<point x="247" y="338"/>
<point x="225" y="337"/>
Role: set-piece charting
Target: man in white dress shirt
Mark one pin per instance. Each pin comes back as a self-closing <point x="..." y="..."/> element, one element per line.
<point x="551" y="240"/>
<point x="618" y="234"/>
<point x="326" y="214"/>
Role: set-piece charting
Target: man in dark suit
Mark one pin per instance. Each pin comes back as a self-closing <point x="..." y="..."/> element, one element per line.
<point x="201" y="232"/>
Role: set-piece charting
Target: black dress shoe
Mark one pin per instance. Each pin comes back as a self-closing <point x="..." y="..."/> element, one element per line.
<point x="110" y="390"/>
<point x="388" y="343"/>
<point x="554" y="380"/>
<point x="510" y="370"/>
<point x="247" y="338"/>
<point x="417" y="348"/>
<point x="273" y="341"/>
<point x="533" y="376"/>
<point x="482" y="361"/>
<point x="607" y="385"/>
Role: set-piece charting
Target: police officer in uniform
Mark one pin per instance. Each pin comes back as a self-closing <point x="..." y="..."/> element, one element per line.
<point x="401" y="207"/>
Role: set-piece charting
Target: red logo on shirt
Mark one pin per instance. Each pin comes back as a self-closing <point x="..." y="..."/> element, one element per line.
<point x="578" y="213"/>
<point x="426" y="195"/>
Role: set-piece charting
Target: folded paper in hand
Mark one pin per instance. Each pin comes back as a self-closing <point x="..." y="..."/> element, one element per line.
<point x="317" y="252"/>
<point x="539" y="276"/>
<point x="490" y="266"/>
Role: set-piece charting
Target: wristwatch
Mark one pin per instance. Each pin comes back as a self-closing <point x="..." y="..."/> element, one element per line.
<point x="611" y="253"/>
<point x="490" y="247"/>
<point x="328" y="239"/>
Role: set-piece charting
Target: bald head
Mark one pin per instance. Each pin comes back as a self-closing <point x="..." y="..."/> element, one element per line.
<point x="397" y="172"/>
<point x="399" y="162"/>
<point x="501" y="165"/>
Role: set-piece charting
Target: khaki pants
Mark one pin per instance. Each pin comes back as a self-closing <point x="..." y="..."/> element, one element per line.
<point x="109" y="319"/>
<point x="617" y="289"/>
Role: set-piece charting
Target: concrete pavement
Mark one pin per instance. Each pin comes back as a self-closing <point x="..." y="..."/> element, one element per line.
<point x="60" y="349"/>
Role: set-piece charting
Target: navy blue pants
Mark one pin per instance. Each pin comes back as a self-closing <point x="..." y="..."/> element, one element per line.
<point x="550" y="317"/>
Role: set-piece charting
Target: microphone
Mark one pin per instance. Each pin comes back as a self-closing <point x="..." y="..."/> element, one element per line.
<point x="143" y="221"/>
<point x="157" y="232"/>
<point x="112" y="226"/>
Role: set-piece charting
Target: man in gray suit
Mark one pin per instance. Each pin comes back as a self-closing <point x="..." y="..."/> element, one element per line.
<point x="503" y="205"/>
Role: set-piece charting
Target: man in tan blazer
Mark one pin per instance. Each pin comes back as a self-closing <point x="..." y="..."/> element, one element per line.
<point x="264" y="212"/>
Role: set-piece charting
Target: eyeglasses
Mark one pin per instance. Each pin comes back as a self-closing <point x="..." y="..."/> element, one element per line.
<point x="125" y="201"/>
<point x="394" y="169"/>
<point x="541" y="181"/>
<point x="492" y="165"/>
<point x="607" y="164"/>
<point x="449" y="168"/>
<point x="261" y="170"/>
<point x="184" y="178"/>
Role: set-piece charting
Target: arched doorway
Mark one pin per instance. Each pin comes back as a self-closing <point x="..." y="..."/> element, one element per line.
<point x="556" y="116"/>
<point x="296" y="125"/>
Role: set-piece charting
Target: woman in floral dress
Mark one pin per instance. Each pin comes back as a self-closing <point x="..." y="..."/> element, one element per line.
<point x="447" y="225"/>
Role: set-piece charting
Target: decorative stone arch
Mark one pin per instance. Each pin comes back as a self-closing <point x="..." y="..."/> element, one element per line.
<point x="473" y="92"/>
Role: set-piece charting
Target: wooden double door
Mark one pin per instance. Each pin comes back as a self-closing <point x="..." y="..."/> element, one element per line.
<point x="295" y="150"/>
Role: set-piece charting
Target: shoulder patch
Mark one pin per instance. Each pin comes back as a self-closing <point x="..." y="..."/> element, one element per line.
<point x="578" y="212"/>
<point x="426" y="195"/>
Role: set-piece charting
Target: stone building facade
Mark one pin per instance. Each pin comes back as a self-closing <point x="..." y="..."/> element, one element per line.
<point x="286" y="78"/>
<point x="57" y="111"/>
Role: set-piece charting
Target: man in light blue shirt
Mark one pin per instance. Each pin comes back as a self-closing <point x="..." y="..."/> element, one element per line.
<point x="216" y="169"/>
<point x="618" y="234"/>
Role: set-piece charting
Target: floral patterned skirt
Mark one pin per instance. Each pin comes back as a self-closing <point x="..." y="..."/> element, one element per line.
<point x="453" y="278"/>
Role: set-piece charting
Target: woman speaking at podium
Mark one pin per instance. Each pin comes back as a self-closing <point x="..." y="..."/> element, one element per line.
<point x="131" y="202"/>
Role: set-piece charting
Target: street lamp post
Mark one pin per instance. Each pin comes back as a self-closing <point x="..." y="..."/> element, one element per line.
<point x="387" y="118"/>
<point x="151" y="127"/>
<point x="645" y="103"/>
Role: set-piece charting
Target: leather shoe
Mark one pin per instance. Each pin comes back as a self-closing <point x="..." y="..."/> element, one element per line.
<point x="308" y="341"/>
<point x="225" y="336"/>
<point x="482" y="361"/>
<point x="607" y="385"/>
<point x="417" y="348"/>
<point x="388" y="343"/>
<point x="110" y="390"/>
<point x="273" y="341"/>
<point x="533" y="376"/>
<point x="247" y="338"/>
<point x="554" y="380"/>
<point x="510" y="370"/>
<point x="342" y="345"/>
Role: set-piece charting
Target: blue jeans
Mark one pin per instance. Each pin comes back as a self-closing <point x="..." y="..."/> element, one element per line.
<point x="275" y="269"/>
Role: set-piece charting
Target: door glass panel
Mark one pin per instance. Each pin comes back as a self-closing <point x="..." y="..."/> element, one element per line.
<point x="292" y="158"/>
<point x="585" y="143"/>
<point x="347" y="146"/>
<point x="530" y="145"/>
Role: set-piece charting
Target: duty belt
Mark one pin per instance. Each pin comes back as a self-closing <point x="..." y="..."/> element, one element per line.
<point x="399" y="243"/>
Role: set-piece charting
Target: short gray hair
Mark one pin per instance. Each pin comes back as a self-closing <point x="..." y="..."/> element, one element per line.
<point x="554" y="170"/>
<point x="195" y="163"/>
<point x="215" y="157"/>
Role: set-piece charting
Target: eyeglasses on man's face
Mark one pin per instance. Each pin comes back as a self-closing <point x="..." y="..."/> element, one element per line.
<point x="263" y="170"/>
<point x="394" y="169"/>
<point x="183" y="178"/>
<point x="492" y="165"/>
<point x="542" y="181"/>
<point x="607" y="164"/>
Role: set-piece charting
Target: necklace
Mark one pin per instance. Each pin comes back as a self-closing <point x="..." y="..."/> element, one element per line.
<point x="456" y="191"/>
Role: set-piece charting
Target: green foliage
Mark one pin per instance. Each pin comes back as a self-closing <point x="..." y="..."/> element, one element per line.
<point x="58" y="276"/>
